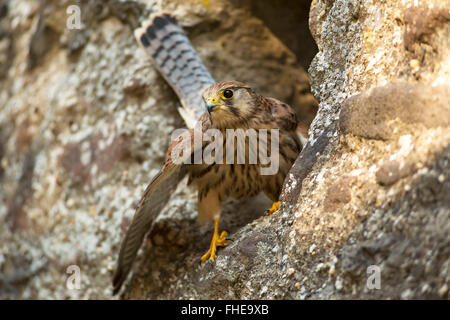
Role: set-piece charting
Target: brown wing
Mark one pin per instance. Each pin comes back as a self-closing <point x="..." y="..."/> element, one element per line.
<point x="284" y="115"/>
<point x="155" y="197"/>
<point x="286" y="119"/>
<point x="153" y="201"/>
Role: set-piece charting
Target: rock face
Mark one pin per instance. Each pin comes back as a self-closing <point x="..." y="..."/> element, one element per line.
<point x="85" y="119"/>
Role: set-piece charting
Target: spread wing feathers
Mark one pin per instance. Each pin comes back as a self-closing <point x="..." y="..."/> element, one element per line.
<point x="177" y="61"/>
<point x="156" y="196"/>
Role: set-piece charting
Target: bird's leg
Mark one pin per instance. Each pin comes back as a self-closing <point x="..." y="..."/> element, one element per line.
<point x="217" y="241"/>
<point x="209" y="209"/>
<point x="275" y="207"/>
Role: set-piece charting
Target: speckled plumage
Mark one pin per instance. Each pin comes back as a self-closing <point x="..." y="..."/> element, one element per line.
<point x="215" y="182"/>
<point x="242" y="181"/>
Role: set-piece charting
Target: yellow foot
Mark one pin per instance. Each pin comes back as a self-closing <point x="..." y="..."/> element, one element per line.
<point x="217" y="241"/>
<point x="275" y="207"/>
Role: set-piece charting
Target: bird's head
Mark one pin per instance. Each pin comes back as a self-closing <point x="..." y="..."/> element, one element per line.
<point x="229" y="103"/>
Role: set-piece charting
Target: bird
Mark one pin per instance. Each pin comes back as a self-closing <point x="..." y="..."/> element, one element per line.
<point x="209" y="106"/>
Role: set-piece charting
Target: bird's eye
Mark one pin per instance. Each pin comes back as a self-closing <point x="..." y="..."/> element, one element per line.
<point x="227" y="94"/>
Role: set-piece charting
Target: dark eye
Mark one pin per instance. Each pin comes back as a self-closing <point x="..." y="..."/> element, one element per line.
<point x="227" y="94"/>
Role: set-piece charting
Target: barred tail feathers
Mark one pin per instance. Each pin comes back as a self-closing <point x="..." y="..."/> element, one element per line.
<point x="178" y="62"/>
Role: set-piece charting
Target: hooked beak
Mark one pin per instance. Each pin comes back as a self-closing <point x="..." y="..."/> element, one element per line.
<point x="212" y="104"/>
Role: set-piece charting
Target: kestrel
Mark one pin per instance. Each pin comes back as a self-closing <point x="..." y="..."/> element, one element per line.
<point x="229" y="105"/>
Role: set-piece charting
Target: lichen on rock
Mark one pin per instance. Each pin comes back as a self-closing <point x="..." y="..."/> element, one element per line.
<point x="85" y="119"/>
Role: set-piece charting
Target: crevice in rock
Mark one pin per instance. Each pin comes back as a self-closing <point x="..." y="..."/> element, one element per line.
<point x="288" y="20"/>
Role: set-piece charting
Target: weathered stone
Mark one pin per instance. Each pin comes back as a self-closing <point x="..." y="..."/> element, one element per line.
<point x="83" y="132"/>
<point x="392" y="171"/>
<point x="374" y="113"/>
<point x="85" y="121"/>
<point x="421" y="24"/>
<point x="338" y="194"/>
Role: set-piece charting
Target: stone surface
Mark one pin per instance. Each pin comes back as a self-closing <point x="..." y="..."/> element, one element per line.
<point x="389" y="108"/>
<point x="84" y="124"/>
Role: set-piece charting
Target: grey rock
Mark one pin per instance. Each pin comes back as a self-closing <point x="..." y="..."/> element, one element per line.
<point x="85" y="129"/>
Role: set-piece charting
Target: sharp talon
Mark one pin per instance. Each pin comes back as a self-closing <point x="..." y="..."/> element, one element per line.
<point x="217" y="241"/>
<point x="275" y="207"/>
<point x="211" y="262"/>
<point x="223" y="235"/>
<point x="229" y="239"/>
